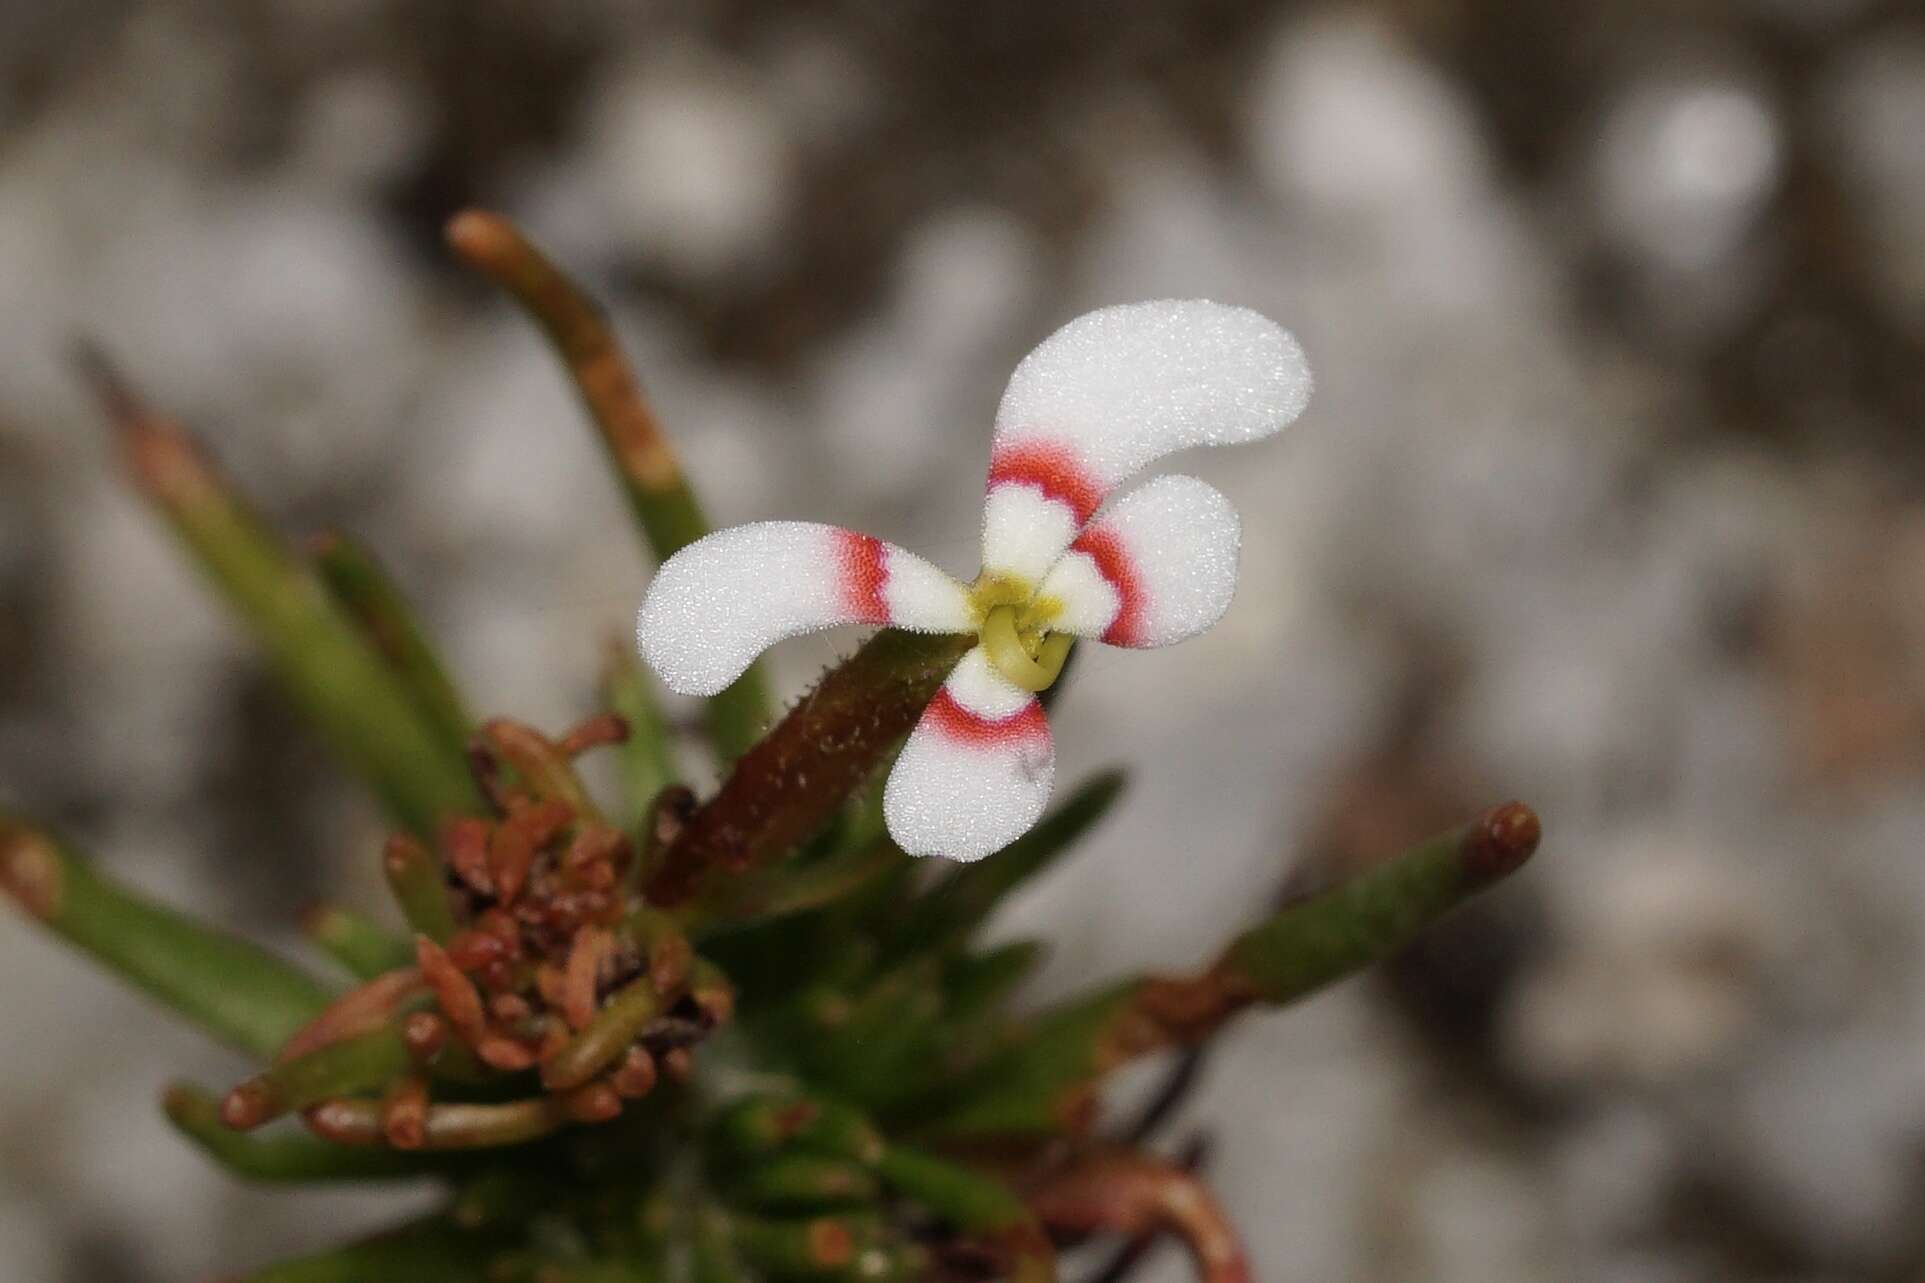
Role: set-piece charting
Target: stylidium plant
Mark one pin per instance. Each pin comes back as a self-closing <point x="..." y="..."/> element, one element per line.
<point x="1101" y="399"/>
<point x="653" y="1037"/>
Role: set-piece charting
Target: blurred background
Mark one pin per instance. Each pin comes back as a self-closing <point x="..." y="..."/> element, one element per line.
<point x="1609" y="498"/>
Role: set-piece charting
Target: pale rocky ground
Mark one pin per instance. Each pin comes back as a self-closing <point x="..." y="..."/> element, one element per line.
<point x="1647" y="552"/>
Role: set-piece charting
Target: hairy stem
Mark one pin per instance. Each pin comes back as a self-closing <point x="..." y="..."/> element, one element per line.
<point x="790" y="784"/>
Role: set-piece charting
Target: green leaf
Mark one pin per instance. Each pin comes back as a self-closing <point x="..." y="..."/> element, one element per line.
<point x="647" y="756"/>
<point x="362" y="947"/>
<point x="1042" y="1079"/>
<point x="665" y="506"/>
<point x="958" y="904"/>
<point x="319" y="654"/>
<point x="371" y="598"/>
<point x="979" y="984"/>
<point x="233" y="989"/>
<point x="1322" y="939"/>
<point x="346" y="1068"/>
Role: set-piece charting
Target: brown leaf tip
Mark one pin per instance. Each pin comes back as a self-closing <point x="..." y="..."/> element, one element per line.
<point x="480" y="236"/>
<point x="1502" y="841"/>
<point x="830" y="1244"/>
<point x="246" y="1106"/>
<point x="30" y="871"/>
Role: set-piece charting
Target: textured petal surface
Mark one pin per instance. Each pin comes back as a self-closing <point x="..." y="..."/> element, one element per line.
<point x="718" y="603"/>
<point x="1111" y="392"/>
<point x="1158" y="566"/>
<point x="976" y="771"/>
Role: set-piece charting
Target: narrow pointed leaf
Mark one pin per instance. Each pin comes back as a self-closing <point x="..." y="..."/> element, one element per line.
<point x="370" y="597"/>
<point x="958" y="904"/>
<point x="665" y="506"/>
<point x="420" y="885"/>
<point x="362" y="947"/>
<point x="761" y="1125"/>
<point x="345" y="1068"/>
<point x="804" y="1182"/>
<point x="785" y="890"/>
<point x="976" y="1204"/>
<point x="976" y="986"/>
<point x="235" y="990"/>
<point x="1043" y="1082"/>
<point x="316" y="650"/>
<point x="647" y="756"/>
<point x="823" y="1247"/>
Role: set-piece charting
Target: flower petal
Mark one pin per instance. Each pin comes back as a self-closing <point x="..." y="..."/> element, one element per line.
<point x="718" y="603"/>
<point x="976" y="772"/>
<point x="1111" y="392"/>
<point x="1159" y="566"/>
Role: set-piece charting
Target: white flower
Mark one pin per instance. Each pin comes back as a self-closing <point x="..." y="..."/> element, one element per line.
<point x="1096" y="402"/>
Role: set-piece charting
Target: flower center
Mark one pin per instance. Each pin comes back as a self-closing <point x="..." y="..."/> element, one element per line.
<point x="1013" y="627"/>
<point x="1032" y="658"/>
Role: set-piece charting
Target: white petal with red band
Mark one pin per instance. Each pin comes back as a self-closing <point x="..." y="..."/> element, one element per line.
<point x="718" y="603"/>
<point x="1118" y="388"/>
<point x="1025" y="530"/>
<point x="977" y="770"/>
<point x="1159" y="566"/>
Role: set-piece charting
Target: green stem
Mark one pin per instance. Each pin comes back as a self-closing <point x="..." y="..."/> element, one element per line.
<point x="790" y="784"/>
<point x="316" y="650"/>
<point x="235" y="990"/>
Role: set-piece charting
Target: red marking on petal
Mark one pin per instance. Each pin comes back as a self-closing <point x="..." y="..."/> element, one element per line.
<point x="861" y="561"/>
<point x="1054" y="469"/>
<point x="954" y="722"/>
<point x="1112" y="557"/>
